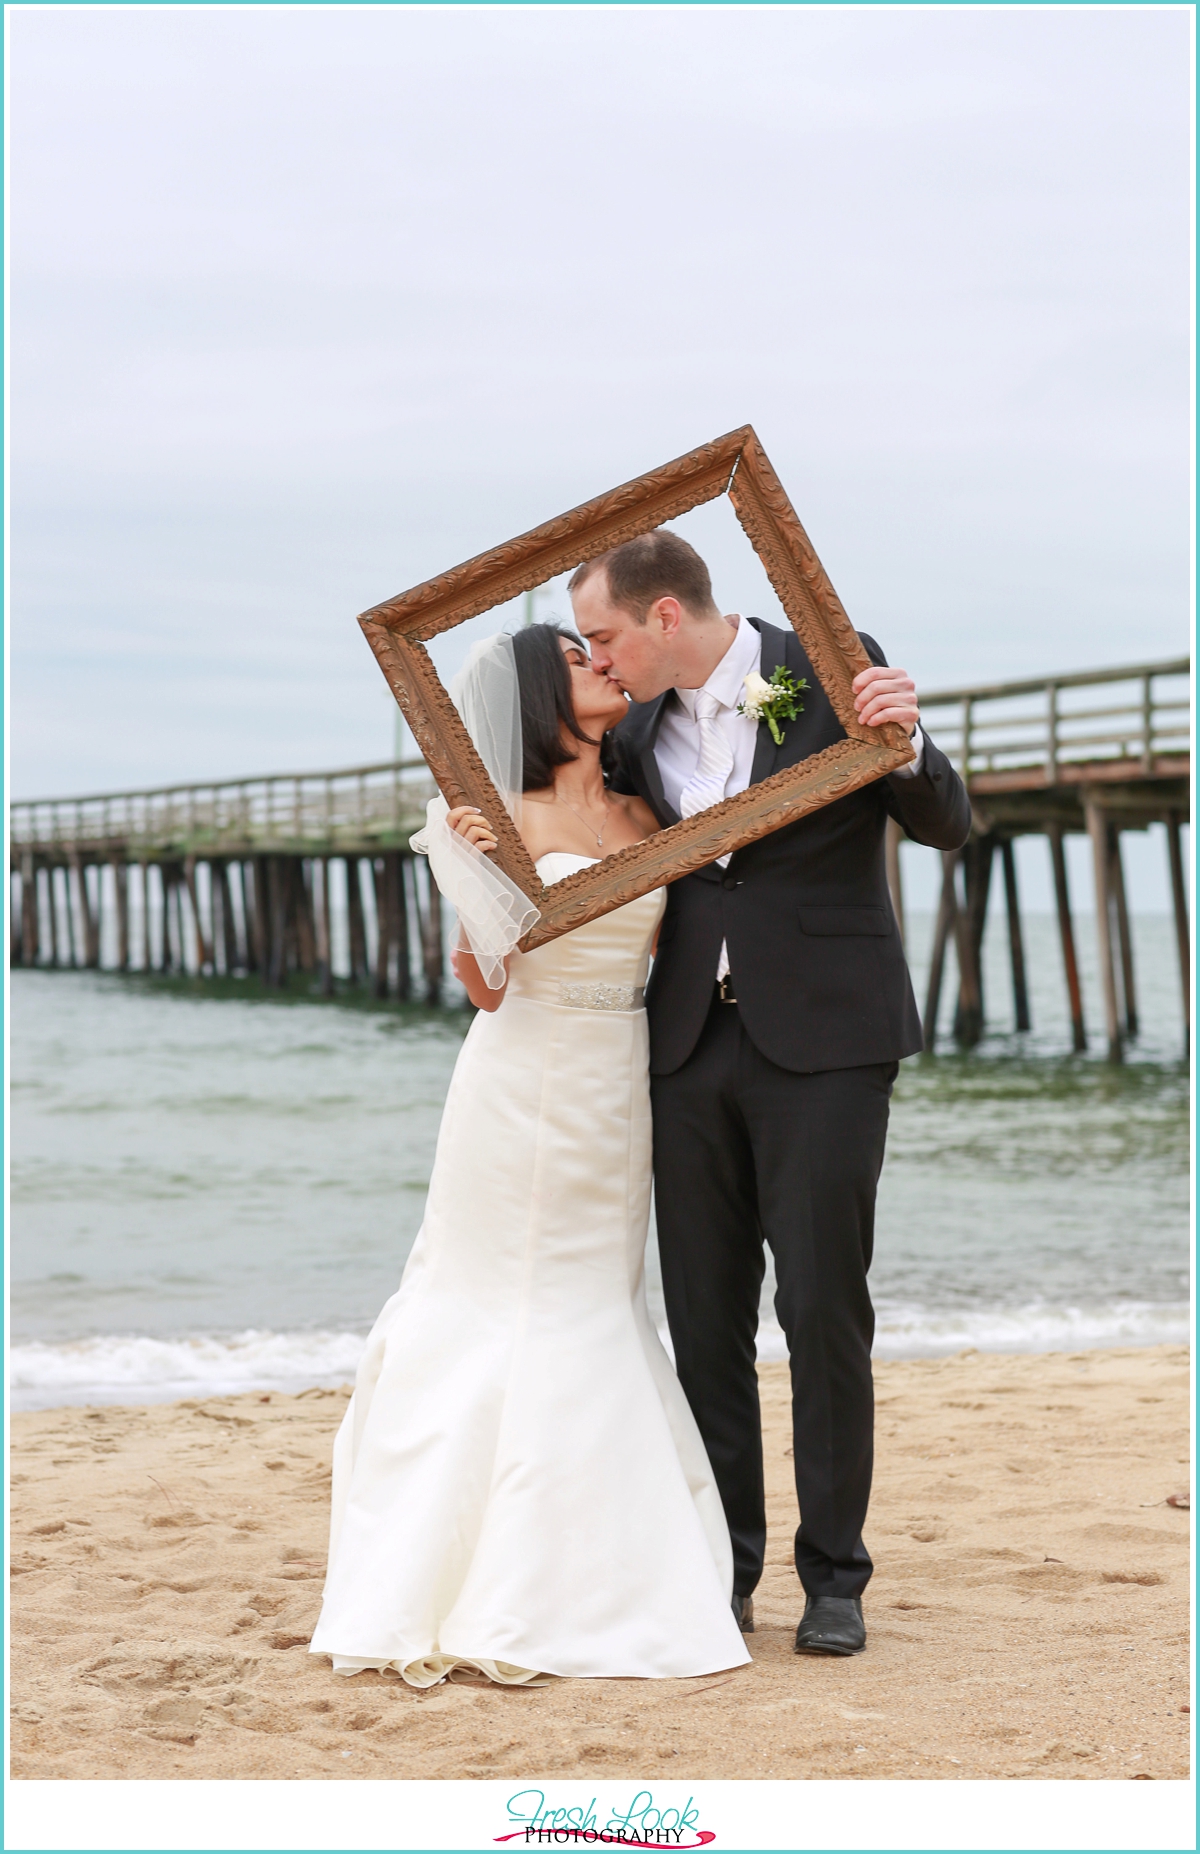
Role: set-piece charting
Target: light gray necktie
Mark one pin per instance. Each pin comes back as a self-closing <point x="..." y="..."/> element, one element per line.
<point x="707" y="784"/>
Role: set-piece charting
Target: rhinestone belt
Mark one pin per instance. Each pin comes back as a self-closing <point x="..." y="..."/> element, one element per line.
<point x="601" y="997"/>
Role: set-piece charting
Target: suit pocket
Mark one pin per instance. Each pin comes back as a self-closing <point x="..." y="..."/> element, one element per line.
<point x="823" y="921"/>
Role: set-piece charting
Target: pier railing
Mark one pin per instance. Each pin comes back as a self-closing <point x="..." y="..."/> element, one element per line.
<point x="312" y="873"/>
<point x="1054" y="730"/>
<point x="360" y="808"/>
<point x="1042" y="731"/>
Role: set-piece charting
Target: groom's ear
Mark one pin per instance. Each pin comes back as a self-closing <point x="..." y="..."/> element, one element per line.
<point x="666" y="615"/>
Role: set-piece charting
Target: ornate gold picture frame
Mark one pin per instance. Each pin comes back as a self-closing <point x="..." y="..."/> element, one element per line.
<point x="737" y="466"/>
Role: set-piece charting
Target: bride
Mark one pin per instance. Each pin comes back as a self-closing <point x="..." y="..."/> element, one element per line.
<point x="519" y="1487"/>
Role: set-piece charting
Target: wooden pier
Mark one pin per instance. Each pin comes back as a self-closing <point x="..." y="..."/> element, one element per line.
<point x="310" y="873"/>
<point x="1098" y="753"/>
<point x="239" y="876"/>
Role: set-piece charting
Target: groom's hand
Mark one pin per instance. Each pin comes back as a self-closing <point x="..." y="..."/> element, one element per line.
<point x="884" y="694"/>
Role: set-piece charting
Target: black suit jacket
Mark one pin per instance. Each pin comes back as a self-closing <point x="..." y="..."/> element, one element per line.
<point x="814" y="950"/>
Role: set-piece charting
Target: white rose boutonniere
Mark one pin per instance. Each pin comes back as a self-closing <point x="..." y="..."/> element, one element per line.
<point x="774" y="701"/>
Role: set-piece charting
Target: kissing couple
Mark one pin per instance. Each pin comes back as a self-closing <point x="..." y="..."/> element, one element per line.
<point x="523" y="1485"/>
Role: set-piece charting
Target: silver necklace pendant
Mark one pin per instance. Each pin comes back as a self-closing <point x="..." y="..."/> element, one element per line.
<point x="583" y="821"/>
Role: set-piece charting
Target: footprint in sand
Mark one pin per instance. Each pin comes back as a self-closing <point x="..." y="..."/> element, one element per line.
<point x="146" y="1669"/>
<point x="266" y="1605"/>
<point x="184" y="1517"/>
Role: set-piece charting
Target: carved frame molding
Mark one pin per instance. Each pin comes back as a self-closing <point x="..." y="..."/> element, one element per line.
<point x="735" y="465"/>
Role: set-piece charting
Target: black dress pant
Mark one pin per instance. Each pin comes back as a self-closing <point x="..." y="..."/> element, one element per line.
<point x="745" y="1151"/>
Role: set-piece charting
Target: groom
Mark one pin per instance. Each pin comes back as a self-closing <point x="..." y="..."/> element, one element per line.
<point x="779" y="1008"/>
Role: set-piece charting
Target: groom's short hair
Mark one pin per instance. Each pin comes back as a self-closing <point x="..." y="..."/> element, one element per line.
<point x="654" y="566"/>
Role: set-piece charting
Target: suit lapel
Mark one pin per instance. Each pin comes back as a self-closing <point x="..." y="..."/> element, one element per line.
<point x="643" y="745"/>
<point x="774" y="656"/>
<point x="643" y="730"/>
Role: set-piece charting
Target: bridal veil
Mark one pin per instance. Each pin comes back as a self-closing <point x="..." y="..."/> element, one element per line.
<point x="493" y="914"/>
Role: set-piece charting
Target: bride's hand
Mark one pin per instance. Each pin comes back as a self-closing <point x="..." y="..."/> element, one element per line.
<point x="469" y="822"/>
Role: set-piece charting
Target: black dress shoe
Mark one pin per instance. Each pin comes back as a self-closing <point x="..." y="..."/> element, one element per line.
<point x="831" y="1625"/>
<point x="743" y="1614"/>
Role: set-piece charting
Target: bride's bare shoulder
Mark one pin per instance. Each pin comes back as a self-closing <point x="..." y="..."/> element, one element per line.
<point x="638" y="812"/>
<point x="540" y="824"/>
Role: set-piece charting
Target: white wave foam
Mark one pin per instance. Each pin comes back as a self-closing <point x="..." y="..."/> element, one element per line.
<point x="924" y="1332"/>
<point x="132" y="1369"/>
<point x="1039" y="1326"/>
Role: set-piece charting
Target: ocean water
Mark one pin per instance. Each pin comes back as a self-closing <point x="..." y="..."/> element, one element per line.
<point x="218" y="1192"/>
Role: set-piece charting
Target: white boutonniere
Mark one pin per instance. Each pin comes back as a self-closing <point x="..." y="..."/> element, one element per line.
<point x="774" y="701"/>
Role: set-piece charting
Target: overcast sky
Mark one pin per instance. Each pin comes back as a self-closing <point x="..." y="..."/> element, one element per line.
<point x="308" y="305"/>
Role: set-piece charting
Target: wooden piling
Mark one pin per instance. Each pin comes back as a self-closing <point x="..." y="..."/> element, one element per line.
<point x="71" y="910"/>
<point x="1116" y="877"/>
<point x="71" y="905"/>
<point x="171" y="942"/>
<point x="120" y="871"/>
<point x="384" y="924"/>
<point x="77" y="933"/>
<point x="289" y="882"/>
<point x="305" y="910"/>
<point x="205" y="952"/>
<point x="222" y="879"/>
<point x="30" y="937"/>
<point x="967" y="1023"/>
<point x="947" y="922"/>
<point x="245" y="876"/>
<point x="276" y="902"/>
<point x="16" y="944"/>
<point x="188" y="940"/>
<point x="358" y="931"/>
<point x="167" y="942"/>
<point x="92" y="910"/>
<point x="156" y="954"/>
<point x="1066" y="931"/>
<point x="1182" y="934"/>
<point x="39" y="912"/>
<point x="891" y="849"/>
<point x="254" y="893"/>
<point x="972" y="919"/>
<point x="293" y="887"/>
<point x="54" y="914"/>
<point x="321" y="921"/>
<point x="403" y="961"/>
<point x="76" y="900"/>
<point x="174" y="954"/>
<point x="179" y="888"/>
<point x="139" y="874"/>
<point x="149" y="951"/>
<point x="274" y="906"/>
<point x="431" y="940"/>
<point x="1097" y="825"/>
<point x="1016" y="942"/>
<point x="147" y="941"/>
<point x="173" y="922"/>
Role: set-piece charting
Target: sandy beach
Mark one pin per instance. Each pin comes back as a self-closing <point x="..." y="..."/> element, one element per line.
<point x="1028" y="1616"/>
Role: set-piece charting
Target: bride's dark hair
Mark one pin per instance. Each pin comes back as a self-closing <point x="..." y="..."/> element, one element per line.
<point x="544" y="682"/>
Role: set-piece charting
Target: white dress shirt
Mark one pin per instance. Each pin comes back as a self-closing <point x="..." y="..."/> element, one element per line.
<point x="677" y="748"/>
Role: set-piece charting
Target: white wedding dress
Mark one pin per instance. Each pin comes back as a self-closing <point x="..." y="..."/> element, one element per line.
<point x="519" y="1485"/>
